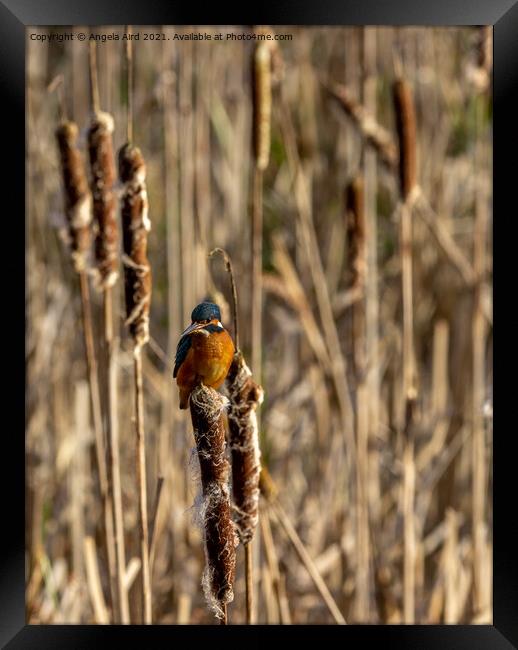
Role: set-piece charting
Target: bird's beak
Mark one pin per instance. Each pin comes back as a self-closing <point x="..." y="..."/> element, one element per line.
<point x="192" y="327"/>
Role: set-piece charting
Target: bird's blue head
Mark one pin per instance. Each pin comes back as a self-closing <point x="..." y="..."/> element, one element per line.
<point x="205" y="311"/>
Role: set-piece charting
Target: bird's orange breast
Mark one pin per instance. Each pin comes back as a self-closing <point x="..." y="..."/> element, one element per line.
<point x="212" y="355"/>
<point x="208" y="360"/>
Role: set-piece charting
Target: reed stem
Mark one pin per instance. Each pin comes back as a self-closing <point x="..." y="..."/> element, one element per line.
<point x="142" y="490"/>
<point x="257" y="270"/>
<point x="230" y="271"/>
<point x="115" y="488"/>
<point x="273" y="565"/>
<point x="224" y="617"/>
<point x="318" y="581"/>
<point x="249" y="582"/>
<point x="95" y="400"/>
<point x="406" y="128"/>
<point x="94" y="83"/>
<point x="129" y="72"/>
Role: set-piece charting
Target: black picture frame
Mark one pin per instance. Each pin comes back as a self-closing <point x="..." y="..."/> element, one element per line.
<point x="15" y="15"/>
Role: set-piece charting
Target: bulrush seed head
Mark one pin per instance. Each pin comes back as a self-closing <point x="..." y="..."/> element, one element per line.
<point x="207" y="407"/>
<point x="262" y="85"/>
<point x="245" y="396"/>
<point x="102" y="181"/>
<point x="406" y="129"/>
<point x="135" y="226"/>
<point x="77" y="194"/>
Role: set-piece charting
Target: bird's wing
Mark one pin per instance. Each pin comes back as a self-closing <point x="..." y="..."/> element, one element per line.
<point x="181" y="352"/>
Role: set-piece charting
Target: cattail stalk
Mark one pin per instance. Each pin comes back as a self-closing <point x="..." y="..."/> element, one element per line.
<point x="406" y="129"/>
<point x="257" y="269"/>
<point x="135" y="228"/>
<point x="408" y="506"/>
<point x="137" y="275"/>
<point x="142" y="491"/>
<point x="262" y="117"/>
<point x="262" y="113"/>
<point x="245" y="397"/>
<point x="78" y="213"/>
<point x="137" y="284"/>
<point x="102" y="167"/>
<point x="356" y="239"/>
<point x="207" y="408"/>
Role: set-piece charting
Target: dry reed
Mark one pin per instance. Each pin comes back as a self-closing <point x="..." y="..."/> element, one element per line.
<point x="356" y="233"/>
<point x="274" y="569"/>
<point x="94" y="582"/>
<point x="313" y="261"/>
<point x="356" y="257"/>
<point x="374" y="134"/>
<point x="270" y="493"/>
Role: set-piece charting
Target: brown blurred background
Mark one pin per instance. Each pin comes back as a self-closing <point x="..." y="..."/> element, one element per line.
<point x="359" y="512"/>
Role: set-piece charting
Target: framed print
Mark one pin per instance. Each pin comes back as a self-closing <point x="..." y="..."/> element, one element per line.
<point x="258" y="323"/>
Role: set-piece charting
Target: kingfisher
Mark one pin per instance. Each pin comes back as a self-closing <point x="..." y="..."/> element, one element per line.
<point x="204" y="352"/>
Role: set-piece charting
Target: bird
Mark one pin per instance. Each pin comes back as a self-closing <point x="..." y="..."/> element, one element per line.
<point x="204" y="352"/>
